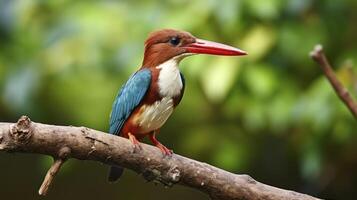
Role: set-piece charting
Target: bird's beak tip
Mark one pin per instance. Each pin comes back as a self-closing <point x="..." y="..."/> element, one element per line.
<point x="207" y="47"/>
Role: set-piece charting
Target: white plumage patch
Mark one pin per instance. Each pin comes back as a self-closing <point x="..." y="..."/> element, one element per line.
<point x="170" y="83"/>
<point x="152" y="117"/>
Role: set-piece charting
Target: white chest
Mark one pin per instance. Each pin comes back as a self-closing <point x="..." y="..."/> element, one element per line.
<point x="170" y="83"/>
<point x="152" y="117"/>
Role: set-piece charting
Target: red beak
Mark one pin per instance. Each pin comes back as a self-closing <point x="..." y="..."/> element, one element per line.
<point x="214" y="48"/>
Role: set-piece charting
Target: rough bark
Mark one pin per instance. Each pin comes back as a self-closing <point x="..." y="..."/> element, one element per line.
<point x="63" y="142"/>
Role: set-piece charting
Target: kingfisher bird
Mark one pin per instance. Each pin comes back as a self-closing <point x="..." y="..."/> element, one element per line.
<point x="148" y="98"/>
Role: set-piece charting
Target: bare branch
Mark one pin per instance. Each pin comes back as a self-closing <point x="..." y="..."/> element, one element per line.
<point x="56" y="166"/>
<point x="82" y="143"/>
<point x="319" y="57"/>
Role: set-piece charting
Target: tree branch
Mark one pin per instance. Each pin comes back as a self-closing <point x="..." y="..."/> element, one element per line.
<point x="82" y="143"/>
<point x="319" y="57"/>
<point x="56" y="166"/>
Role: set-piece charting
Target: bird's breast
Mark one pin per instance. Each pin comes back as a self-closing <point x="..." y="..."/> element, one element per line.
<point x="162" y="97"/>
<point x="169" y="79"/>
<point x="152" y="117"/>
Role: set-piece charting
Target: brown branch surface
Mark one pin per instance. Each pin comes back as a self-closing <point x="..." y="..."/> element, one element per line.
<point x="319" y="57"/>
<point x="87" y="144"/>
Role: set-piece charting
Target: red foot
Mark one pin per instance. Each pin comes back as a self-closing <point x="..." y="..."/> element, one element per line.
<point x="163" y="149"/>
<point x="136" y="144"/>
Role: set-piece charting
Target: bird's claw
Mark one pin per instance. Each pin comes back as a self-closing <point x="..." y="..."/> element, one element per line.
<point x="168" y="154"/>
<point x="137" y="148"/>
<point x="166" y="151"/>
<point x="136" y="144"/>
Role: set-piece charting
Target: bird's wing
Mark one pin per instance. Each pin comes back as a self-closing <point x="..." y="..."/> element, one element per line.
<point x="128" y="98"/>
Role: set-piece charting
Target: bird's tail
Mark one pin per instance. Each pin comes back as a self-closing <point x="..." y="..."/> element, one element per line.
<point x="115" y="173"/>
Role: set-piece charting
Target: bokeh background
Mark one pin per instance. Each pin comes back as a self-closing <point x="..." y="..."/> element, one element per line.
<point x="271" y="114"/>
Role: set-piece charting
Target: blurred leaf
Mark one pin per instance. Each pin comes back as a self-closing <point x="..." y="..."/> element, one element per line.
<point x="311" y="163"/>
<point x="218" y="78"/>
<point x="3" y="70"/>
<point x="229" y="13"/>
<point x="258" y="41"/>
<point x="346" y="74"/>
<point x="316" y="107"/>
<point x="20" y="88"/>
<point x="341" y="132"/>
<point x="265" y="9"/>
<point x="81" y="105"/>
<point x="260" y="80"/>
<point x="229" y="155"/>
<point x="280" y="111"/>
<point x="254" y="118"/>
<point x="298" y="6"/>
<point x="295" y="42"/>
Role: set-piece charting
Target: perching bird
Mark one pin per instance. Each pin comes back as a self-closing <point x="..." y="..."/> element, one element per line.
<point x="149" y="97"/>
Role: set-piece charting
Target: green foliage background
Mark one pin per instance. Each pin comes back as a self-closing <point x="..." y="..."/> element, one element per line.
<point x="270" y="114"/>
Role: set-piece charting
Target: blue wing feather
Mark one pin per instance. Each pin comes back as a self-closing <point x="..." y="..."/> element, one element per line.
<point x="128" y="98"/>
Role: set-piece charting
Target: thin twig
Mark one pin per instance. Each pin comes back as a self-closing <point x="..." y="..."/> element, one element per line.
<point x="318" y="55"/>
<point x="51" y="173"/>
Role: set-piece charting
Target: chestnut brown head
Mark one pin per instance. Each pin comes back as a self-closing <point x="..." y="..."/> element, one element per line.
<point x="167" y="44"/>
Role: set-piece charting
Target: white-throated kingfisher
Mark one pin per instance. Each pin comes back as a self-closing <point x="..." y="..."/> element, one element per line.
<point x="149" y="97"/>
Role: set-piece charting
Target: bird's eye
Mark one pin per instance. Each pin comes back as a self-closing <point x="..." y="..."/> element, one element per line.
<point x="174" y="41"/>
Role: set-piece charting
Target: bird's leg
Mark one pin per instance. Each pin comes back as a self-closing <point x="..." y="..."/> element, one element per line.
<point x="135" y="142"/>
<point x="163" y="149"/>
